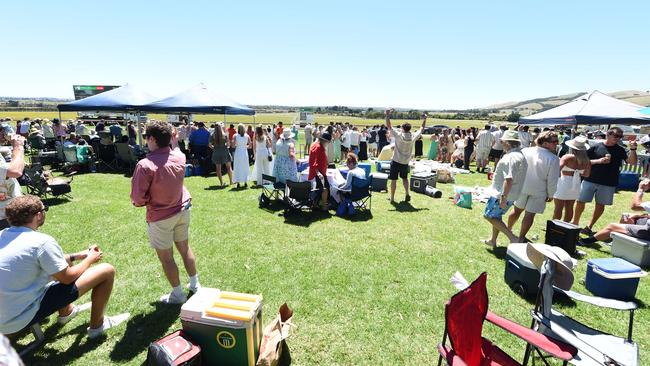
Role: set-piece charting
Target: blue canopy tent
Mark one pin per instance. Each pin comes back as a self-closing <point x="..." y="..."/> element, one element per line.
<point x="127" y="98"/>
<point x="198" y="99"/>
<point x="594" y="108"/>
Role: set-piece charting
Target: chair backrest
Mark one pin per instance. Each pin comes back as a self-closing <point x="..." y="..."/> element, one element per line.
<point x="34" y="175"/>
<point x="268" y="178"/>
<point x="70" y="154"/>
<point x="299" y="191"/>
<point x="106" y="152"/>
<point x="464" y="315"/>
<point x="360" y="188"/>
<point x="123" y="151"/>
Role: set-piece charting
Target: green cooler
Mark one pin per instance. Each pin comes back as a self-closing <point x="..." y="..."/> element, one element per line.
<point x="227" y="326"/>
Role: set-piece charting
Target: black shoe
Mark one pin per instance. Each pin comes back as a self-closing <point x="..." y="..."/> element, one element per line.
<point x="407" y="198"/>
<point x="586" y="231"/>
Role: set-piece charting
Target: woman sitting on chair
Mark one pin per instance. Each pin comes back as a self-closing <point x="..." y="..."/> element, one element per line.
<point x="354" y="171"/>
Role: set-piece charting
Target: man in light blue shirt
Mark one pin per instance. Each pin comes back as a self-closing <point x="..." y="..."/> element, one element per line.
<point x="37" y="279"/>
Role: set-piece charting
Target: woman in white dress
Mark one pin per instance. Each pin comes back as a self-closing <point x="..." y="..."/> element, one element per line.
<point x="242" y="169"/>
<point x="572" y="166"/>
<point x="261" y="151"/>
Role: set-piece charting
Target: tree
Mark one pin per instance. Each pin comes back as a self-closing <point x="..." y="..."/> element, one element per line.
<point x="513" y="117"/>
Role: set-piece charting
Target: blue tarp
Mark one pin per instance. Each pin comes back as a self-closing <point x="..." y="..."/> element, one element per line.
<point x="124" y="98"/>
<point x="198" y="99"/>
<point x="594" y="108"/>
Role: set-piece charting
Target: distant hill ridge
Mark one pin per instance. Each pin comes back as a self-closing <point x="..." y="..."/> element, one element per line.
<point x="536" y="105"/>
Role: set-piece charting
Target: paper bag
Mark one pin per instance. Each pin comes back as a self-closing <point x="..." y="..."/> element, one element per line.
<point x="274" y="350"/>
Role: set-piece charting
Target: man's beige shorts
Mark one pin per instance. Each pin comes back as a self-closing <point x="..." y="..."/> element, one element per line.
<point x="164" y="233"/>
<point x="533" y="204"/>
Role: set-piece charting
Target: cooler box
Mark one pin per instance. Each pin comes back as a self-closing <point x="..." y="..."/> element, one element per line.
<point x="628" y="181"/>
<point x="367" y="167"/>
<point x="382" y="166"/>
<point x="420" y="181"/>
<point x="520" y="274"/>
<point x="227" y="326"/>
<point x="613" y="278"/>
<point x="379" y="182"/>
<point x="302" y="164"/>
<point x="633" y="250"/>
<point x="562" y="234"/>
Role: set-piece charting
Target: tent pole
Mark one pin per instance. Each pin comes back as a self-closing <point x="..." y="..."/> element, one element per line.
<point x="59" y="115"/>
<point x="137" y="115"/>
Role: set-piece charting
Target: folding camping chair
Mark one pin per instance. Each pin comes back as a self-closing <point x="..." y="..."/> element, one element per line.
<point x="464" y="316"/>
<point x="297" y="196"/>
<point x="126" y="155"/>
<point x="360" y="194"/>
<point x="271" y="188"/>
<point x="106" y="155"/>
<point x="38" y="183"/>
<point x="594" y="347"/>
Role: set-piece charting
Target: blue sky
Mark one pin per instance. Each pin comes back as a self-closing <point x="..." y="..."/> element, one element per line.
<point x="428" y="54"/>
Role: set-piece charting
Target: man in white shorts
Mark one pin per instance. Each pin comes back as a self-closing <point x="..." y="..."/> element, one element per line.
<point x="158" y="184"/>
<point x="541" y="181"/>
<point x="484" y="142"/>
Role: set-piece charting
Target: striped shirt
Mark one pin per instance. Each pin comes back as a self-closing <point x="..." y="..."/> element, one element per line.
<point x="484" y="140"/>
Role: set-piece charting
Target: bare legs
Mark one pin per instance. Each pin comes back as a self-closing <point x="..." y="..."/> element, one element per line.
<point x="170" y="268"/>
<point x="220" y="175"/>
<point x="580" y="207"/>
<point x="393" y="188"/>
<point x="499" y="226"/>
<point x="100" y="280"/>
<point x="563" y="205"/>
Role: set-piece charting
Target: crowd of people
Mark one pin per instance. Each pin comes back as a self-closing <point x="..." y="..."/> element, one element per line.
<point x="530" y="171"/>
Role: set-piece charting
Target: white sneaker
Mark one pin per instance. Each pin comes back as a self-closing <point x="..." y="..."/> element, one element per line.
<point x="172" y="298"/>
<point x="109" y="322"/>
<point x="193" y="289"/>
<point x="76" y="309"/>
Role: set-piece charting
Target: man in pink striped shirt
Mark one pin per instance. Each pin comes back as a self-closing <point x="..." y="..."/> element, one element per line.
<point x="157" y="183"/>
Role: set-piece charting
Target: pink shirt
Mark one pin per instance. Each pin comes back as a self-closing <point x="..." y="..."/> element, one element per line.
<point x="158" y="183"/>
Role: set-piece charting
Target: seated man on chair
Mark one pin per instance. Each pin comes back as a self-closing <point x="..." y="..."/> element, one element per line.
<point x="29" y="260"/>
<point x="637" y="225"/>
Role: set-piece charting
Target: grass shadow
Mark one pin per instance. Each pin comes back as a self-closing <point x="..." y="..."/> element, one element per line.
<point x="406" y="207"/>
<point x="274" y="206"/>
<point x="215" y="188"/>
<point x="143" y="329"/>
<point x="596" y="246"/>
<point x="304" y="218"/>
<point x="237" y="189"/>
<point x="361" y="216"/>
<point x="498" y="252"/>
<point x="52" y="356"/>
<point x="54" y="201"/>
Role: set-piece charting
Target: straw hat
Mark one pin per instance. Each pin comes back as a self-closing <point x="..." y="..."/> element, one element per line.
<point x="510" y="135"/>
<point x="287" y="134"/>
<point x="578" y="143"/>
<point x="564" y="264"/>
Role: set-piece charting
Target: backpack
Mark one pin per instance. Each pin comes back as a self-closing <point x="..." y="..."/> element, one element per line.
<point x="175" y="349"/>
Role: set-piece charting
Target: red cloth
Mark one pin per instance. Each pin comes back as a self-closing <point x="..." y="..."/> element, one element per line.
<point x="231" y="133"/>
<point x="317" y="160"/>
<point x="158" y="183"/>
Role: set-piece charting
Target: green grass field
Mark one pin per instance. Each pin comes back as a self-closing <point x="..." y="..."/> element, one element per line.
<point x="366" y="291"/>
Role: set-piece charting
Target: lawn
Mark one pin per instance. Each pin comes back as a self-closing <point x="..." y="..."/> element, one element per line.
<point x="368" y="291"/>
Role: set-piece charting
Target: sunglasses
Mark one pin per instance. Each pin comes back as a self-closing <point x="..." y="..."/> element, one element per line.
<point x="44" y="209"/>
<point x="618" y="136"/>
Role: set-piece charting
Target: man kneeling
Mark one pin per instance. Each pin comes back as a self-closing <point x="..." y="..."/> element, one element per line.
<point x="29" y="260"/>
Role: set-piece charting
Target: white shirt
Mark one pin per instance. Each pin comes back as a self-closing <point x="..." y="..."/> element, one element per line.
<point x="485" y="140"/>
<point x="511" y="165"/>
<point x="9" y="187"/>
<point x="48" y="133"/>
<point x="80" y="129"/>
<point x="524" y="137"/>
<point x="27" y="260"/>
<point x="404" y="145"/>
<point x="345" y="139"/>
<point x="356" y="172"/>
<point x="497" y="140"/>
<point x="354" y="138"/>
<point x="543" y="172"/>
<point x="24" y="126"/>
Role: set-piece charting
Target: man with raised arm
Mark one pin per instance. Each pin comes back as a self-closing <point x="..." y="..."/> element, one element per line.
<point x="399" y="165"/>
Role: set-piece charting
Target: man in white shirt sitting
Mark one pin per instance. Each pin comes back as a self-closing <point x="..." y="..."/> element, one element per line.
<point x="28" y="262"/>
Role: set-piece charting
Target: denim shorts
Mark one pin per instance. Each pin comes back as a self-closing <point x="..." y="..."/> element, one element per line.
<point x="493" y="210"/>
<point x="604" y="194"/>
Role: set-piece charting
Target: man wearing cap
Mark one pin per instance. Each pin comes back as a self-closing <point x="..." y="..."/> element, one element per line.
<point x="606" y="159"/>
<point x="540" y="184"/>
<point x="507" y="183"/>
<point x="399" y="165"/>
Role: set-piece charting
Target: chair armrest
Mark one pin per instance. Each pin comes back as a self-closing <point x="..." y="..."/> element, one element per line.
<point x="450" y="356"/>
<point x="547" y="344"/>
<point x="599" y="301"/>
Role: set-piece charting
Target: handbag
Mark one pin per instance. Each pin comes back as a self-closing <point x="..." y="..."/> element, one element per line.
<point x="175" y="349"/>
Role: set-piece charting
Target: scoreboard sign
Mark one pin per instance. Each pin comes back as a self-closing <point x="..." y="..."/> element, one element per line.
<point x="85" y="91"/>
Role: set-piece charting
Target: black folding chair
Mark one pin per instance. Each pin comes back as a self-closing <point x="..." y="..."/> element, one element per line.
<point x="272" y="188"/>
<point x="106" y="155"/>
<point x="297" y="196"/>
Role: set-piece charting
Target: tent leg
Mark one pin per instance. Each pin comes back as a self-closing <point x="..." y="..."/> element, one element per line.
<point x="60" y="116"/>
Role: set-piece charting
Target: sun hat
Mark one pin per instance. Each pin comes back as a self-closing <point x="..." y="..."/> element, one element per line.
<point x="287" y="134"/>
<point x="564" y="264"/>
<point x="578" y="143"/>
<point x="510" y="135"/>
<point x="326" y="136"/>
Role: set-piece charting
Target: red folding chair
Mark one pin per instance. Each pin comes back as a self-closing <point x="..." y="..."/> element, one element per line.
<point x="464" y="316"/>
